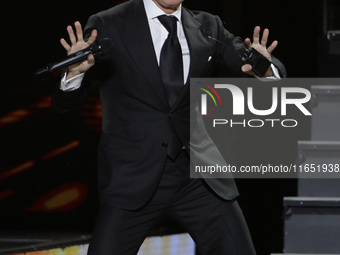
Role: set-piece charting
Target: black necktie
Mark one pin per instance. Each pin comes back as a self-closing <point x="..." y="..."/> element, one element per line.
<point x="171" y="69"/>
<point x="171" y="60"/>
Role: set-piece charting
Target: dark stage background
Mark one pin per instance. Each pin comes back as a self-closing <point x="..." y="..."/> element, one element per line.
<point x="48" y="161"/>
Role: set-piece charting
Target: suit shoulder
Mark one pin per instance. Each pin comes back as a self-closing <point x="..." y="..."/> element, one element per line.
<point x="113" y="11"/>
<point x="202" y="16"/>
<point x="208" y="21"/>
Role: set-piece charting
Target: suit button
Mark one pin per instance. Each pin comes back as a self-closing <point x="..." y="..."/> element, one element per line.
<point x="164" y="145"/>
<point x="170" y="115"/>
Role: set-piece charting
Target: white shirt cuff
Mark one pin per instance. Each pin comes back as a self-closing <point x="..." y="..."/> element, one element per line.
<point x="276" y="75"/>
<point x="275" y="71"/>
<point x="71" y="84"/>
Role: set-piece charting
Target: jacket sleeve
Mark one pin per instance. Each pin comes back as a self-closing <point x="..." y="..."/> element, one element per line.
<point x="65" y="101"/>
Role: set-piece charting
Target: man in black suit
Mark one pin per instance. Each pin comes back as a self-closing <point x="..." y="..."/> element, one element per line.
<point x="143" y="152"/>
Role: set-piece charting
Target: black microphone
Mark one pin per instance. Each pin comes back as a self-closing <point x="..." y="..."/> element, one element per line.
<point x="260" y="64"/>
<point x="99" y="49"/>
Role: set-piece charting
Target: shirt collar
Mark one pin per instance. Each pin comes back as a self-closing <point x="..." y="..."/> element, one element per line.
<point x="153" y="11"/>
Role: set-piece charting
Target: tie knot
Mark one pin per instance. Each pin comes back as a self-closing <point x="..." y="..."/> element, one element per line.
<point x="169" y="22"/>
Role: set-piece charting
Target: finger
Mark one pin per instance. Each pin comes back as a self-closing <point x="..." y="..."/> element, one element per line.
<point x="247" y="42"/>
<point x="265" y="37"/>
<point x="256" y="35"/>
<point x="246" y="68"/>
<point x="79" y="31"/>
<point x="93" y="36"/>
<point x="71" y="35"/>
<point x="66" y="46"/>
<point x="272" y="47"/>
<point x="91" y="59"/>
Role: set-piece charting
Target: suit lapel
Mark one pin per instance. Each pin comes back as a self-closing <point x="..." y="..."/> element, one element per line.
<point x="199" y="44"/>
<point x="136" y="34"/>
<point x="200" y="51"/>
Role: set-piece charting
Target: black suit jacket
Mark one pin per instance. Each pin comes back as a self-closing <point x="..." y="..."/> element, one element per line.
<point x="137" y="121"/>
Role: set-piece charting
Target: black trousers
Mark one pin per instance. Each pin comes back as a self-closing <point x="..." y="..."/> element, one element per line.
<point x="217" y="226"/>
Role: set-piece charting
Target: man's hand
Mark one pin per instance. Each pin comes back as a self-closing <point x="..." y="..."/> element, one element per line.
<point x="260" y="46"/>
<point x="77" y="44"/>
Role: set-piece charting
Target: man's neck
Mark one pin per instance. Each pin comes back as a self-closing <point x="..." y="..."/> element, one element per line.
<point x="167" y="9"/>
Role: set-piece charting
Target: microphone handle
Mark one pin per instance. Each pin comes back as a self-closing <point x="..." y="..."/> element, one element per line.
<point x="72" y="59"/>
<point x="97" y="49"/>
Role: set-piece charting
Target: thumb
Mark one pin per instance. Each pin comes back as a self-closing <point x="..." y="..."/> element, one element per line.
<point x="91" y="59"/>
<point x="246" y="68"/>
